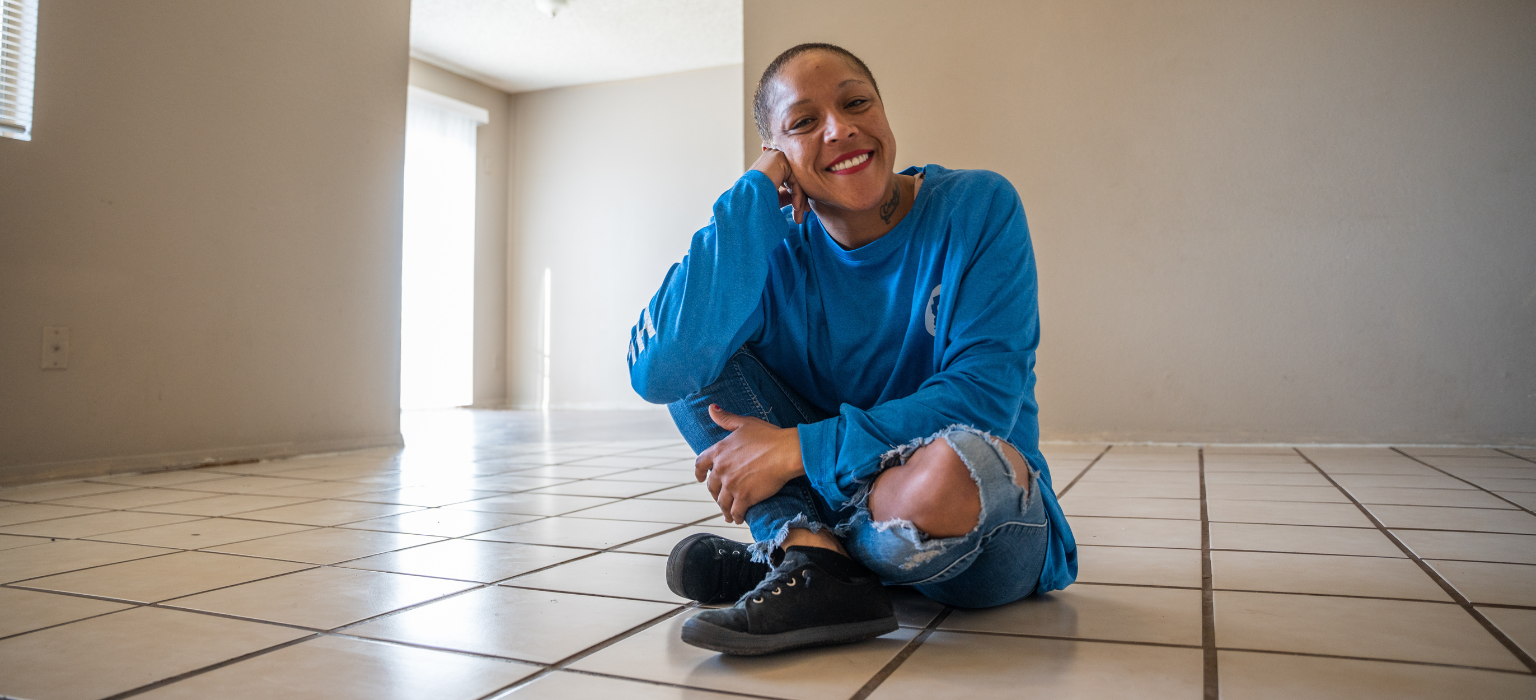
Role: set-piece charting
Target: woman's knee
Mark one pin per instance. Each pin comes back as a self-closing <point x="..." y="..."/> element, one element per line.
<point x="934" y="490"/>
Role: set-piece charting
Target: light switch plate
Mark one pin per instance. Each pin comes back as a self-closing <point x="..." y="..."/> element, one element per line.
<point x="55" y="347"/>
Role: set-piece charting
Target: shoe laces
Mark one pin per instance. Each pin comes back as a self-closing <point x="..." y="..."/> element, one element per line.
<point x="776" y="581"/>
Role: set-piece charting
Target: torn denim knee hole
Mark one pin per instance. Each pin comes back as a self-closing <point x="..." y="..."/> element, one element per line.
<point x="762" y="552"/>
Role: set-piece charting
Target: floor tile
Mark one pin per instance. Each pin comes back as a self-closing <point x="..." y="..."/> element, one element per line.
<point x="510" y="622"/>
<point x="653" y="476"/>
<point x="442" y="522"/>
<point x="324" y="489"/>
<point x="244" y="484"/>
<point x="677" y="512"/>
<point x="959" y="666"/>
<point x="913" y="609"/>
<point x="334" y="668"/>
<point x="30" y="610"/>
<point x="167" y="478"/>
<point x="33" y="512"/>
<point x="1505" y="484"/>
<point x="533" y="504"/>
<point x="322" y="598"/>
<point x="1139" y="566"/>
<point x="1303" y="540"/>
<point x="326" y="513"/>
<point x="563" y="685"/>
<point x="114" y="653"/>
<point x="1087" y="611"/>
<point x="1105" y="489"/>
<point x="1134" y="476"/>
<point x="1461" y="498"/>
<point x="1482" y="582"/>
<point x="196" y="534"/>
<point x="663" y="543"/>
<point x="1266" y="479"/>
<point x="1250" y="676"/>
<point x="34" y="493"/>
<point x="570" y="472"/>
<point x="94" y="524"/>
<point x="1137" y="532"/>
<point x="606" y="489"/>
<point x="1252" y="492"/>
<point x="1378" y="577"/>
<point x="325" y="545"/>
<point x="621" y="461"/>
<point x="1287" y="513"/>
<point x="137" y="498"/>
<point x="1213" y="467"/>
<point x="684" y="492"/>
<point x="67" y="555"/>
<point x="1470" y="546"/>
<point x="233" y="504"/>
<point x="14" y="541"/>
<point x="1518" y="625"/>
<point x="1424" y="481"/>
<point x="162" y="578"/>
<point x="575" y="532"/>
<point x="1075" y="503"/>
<point x="429" y="496"/>
<point x="831" y="673"/>
<point x="1525" y="500"/>
<point x="468" y="560"/>
<point x="513" y="482"/>
<point x="1473" y="519"/>
<point x="616" y="574"/>
<point x="1359" y="627"/>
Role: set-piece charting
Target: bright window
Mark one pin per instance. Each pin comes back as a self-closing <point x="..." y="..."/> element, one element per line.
<point x="18" y="55"/>
<point x="438" y="271"/>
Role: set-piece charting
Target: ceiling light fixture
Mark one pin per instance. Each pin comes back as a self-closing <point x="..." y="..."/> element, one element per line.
<point x="551" y="7"/>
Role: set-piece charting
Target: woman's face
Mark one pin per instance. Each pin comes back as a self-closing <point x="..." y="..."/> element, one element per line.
<point x="828" y="121"/>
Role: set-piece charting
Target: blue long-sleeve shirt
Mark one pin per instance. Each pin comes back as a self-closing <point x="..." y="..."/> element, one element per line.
<point x="933" y="324"/>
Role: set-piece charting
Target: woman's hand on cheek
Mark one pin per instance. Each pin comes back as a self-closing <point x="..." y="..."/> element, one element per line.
<point x="750" y="464"/>
<point x="775" y="165"/>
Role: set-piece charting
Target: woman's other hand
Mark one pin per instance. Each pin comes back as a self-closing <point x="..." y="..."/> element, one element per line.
<point x="750" y="464"/>
<point x="773" y="164"/>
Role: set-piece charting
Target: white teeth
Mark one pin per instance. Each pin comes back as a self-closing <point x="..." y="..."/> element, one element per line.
<point x="856" y="160"/>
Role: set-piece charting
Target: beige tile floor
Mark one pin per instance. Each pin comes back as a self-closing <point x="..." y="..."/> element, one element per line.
<point x="490" y="560"/>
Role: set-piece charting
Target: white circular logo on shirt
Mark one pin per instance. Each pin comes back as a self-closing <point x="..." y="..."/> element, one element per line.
<point x="932" y="316"/>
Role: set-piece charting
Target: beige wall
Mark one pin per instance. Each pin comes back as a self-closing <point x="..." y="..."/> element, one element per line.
<point x="493" y="151"/>
<point x="610" y="181"/>
<point x="1255" y="221"/>
<point x="211" y="203"/>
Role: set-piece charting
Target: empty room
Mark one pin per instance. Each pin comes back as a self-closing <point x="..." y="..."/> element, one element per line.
<point x="497" y="349"/>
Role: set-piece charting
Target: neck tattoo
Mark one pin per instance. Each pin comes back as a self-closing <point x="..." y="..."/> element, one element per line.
<point x="889" y="208"/>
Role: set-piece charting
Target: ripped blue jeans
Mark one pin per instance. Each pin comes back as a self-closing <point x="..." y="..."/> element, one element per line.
<point x="997" y="562"/>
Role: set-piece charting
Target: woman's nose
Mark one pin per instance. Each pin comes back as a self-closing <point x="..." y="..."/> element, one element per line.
<point x="836" y="130"/>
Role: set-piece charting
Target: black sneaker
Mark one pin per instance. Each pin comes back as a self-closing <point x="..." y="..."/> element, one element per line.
<point x="815" y="597"/>
<point x="712" y="569"/>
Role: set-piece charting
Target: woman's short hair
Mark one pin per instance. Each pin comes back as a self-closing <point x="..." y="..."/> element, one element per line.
<point x="760" y="98"/>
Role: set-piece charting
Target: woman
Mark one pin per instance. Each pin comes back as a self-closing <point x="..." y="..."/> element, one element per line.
<point x="851" y="351"/>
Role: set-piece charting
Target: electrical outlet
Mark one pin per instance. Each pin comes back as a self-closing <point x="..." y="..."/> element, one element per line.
<point x="55" y="347"/>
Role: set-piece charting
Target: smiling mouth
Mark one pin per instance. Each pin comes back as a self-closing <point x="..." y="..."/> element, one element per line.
<point x="850" y="163"/>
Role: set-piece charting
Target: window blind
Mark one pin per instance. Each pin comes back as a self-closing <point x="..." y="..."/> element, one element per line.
<point x="18" y="55"/>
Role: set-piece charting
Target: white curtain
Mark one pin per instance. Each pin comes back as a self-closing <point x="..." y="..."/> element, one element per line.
<point x="438" y="282"/>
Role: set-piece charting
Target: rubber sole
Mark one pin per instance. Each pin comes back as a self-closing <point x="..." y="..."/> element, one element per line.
<point x="675" y="566"/>
<point x="713" y="637"/>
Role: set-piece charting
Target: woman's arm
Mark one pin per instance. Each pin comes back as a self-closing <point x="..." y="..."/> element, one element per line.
<point x="708" y="304"/>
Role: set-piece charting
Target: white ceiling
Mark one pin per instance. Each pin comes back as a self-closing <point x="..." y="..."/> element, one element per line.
<point x="512" y="45"/>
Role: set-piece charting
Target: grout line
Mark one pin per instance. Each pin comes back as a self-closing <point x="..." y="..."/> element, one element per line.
<point x="902" y="656"/>
<point x="723" y="694"/>
<point x="584" y="653"/>
<point x="1497" y="449"/>
<point x="1456" y="595"/>
<point x="206" y="669"/>
<point x="1212" y="677"/>
<point x="1464" y="481"/>
<point x="1405" y="662"/>
<point x="1084" y="472"/>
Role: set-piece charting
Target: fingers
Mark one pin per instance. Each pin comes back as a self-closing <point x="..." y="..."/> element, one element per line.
<point x="800" y="205"/>
<point x="714" y="486"/>
<point x="738" y="512"/>
<point x="724" y="418"/>
<point x="725" y="502"/>
<point x="704" y="463"/>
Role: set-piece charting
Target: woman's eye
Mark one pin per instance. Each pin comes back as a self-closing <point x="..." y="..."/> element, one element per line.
<point x="858" y="102"/>
<point x="800" y="124"/>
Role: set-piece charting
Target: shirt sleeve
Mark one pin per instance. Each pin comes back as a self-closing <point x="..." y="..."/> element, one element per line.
<point x="989" y="320"/>
<point x="710" y="303"/>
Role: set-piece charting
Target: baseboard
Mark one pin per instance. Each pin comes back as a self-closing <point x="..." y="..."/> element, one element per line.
<point x="80" y="469"/>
